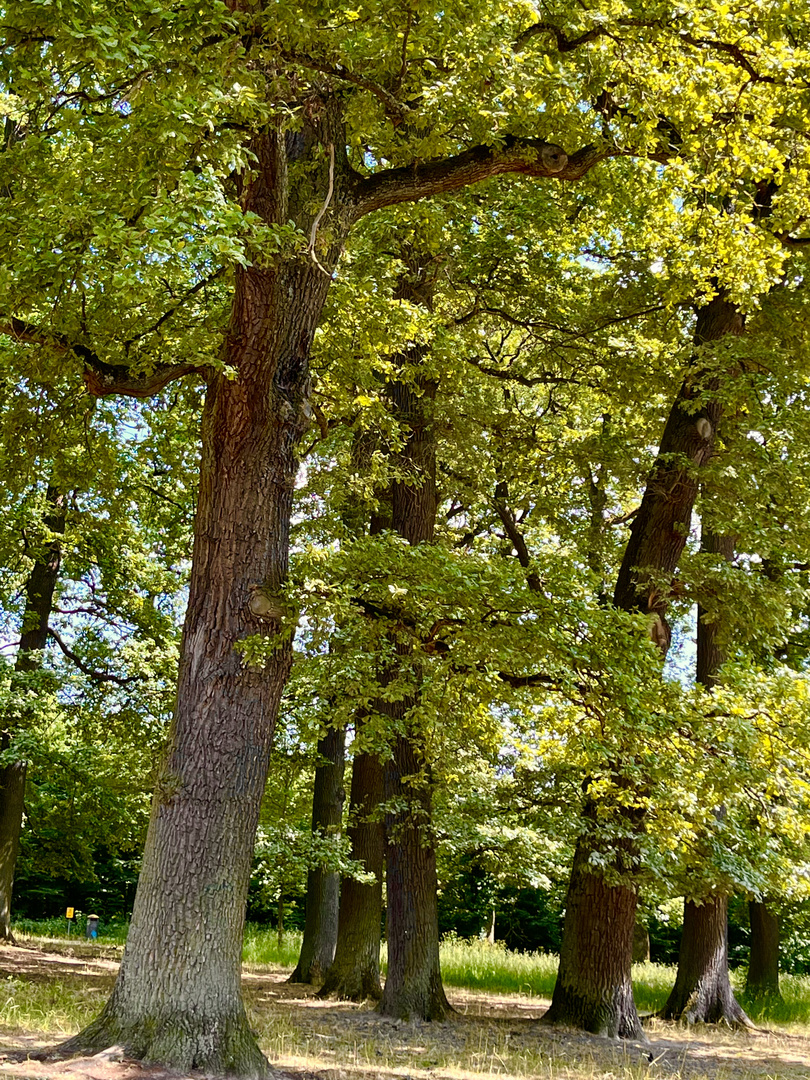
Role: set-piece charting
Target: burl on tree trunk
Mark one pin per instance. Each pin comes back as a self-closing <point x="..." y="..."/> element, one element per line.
<point x="323" y="885"/>
<point x="355" y="971"/>
<point x="702" y="993"/>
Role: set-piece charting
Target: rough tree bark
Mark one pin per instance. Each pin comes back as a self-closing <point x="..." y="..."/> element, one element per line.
<point x="593" y="989"/>
<point x="763" y="962"/>
<point x="177" y="997"/>
<point x="39" y="590"/>
<point x="702" y="991"/>
<point x="355" y="971"/>
<point x="323" y="885"/>
<point x="413" y="984"/>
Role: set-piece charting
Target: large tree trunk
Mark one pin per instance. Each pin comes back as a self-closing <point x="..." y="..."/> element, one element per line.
<point x="763" y="962"/>
<point x="702" y="991"/>
<point x="177" y="999"/>
<point x="590" y="993"/>
<point x="355" y="972"/>
<point x="323" y="885"/>
<point x="39" y="590"/>
<point x="593" y="990"/>
<point x="413" y="984"/>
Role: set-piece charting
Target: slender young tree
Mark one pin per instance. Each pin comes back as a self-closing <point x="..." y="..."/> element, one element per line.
<point x="323" y="884"/>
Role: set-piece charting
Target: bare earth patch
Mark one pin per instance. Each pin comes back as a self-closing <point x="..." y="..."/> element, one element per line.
<point x="307" y="1039"/>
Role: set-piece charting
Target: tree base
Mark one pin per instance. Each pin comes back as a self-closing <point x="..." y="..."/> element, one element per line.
<point x="352" y="986"/>
<point x="213" y="1045"/>
<point x="615" y="1017"/>
<point x="411" y="1003"/>
<point x="704" y="1008"/>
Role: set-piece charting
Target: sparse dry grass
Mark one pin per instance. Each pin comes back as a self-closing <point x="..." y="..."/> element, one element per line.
<point x="45" y="996"/>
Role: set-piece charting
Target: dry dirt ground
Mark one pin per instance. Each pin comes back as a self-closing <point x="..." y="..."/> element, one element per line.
<point x="489" y="1036"/>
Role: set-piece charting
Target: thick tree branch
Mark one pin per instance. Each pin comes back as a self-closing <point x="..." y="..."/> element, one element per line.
<point x="421" y="180"/>
<point x="101" y="378"/>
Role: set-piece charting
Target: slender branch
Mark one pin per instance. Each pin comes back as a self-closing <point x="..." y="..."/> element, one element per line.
<point x="736" y="53"/>
<point x="314" y="231"/>
<point x="420" y="180"/>
<point x="516" y="537"/>
<point x="792" y="241"/>
<point x="172" y="310"/>
<point x="525" y="380"/>
<point x="96" y="676"/>
<point x="394" y="109"/>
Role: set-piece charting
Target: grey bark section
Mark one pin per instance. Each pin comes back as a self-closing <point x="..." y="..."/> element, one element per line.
<point x="39" y="591"/>
<point x="355" y="971"/>
<point x="763" y="962"/>
<point x="323" y="885"/>
<point x="593" y="989"/>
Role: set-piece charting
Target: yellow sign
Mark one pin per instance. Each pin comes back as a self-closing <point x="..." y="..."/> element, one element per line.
<point x="69" y="914"/>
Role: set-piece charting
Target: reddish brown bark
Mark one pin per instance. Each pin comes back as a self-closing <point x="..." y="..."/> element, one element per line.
<point x="593" y="989"/>
<point x="323" y="885"/>
<point x="39" y="590"/>
<point x="355" y="971"/>
<point x="702" y="991"/>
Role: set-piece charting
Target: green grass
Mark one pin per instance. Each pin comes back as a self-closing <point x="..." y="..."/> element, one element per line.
<point x="473" y="965"/>
<point x="113" y="932"/>
<point x="261" y="947"/>
<point x="477" y="965"/>
<point x="57" y="1006"/>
